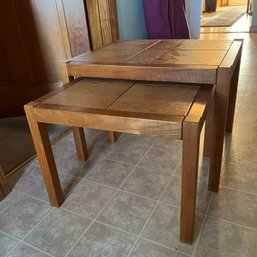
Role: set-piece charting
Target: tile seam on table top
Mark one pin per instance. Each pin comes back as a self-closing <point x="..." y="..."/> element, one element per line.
<point x="143" y="50"/>
<point x="166" y="51"/>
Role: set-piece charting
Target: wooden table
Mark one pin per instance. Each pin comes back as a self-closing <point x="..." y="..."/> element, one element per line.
<point x="214" y="62"/>
<point x="209" y="71"/>
<point x="174" y="111"/>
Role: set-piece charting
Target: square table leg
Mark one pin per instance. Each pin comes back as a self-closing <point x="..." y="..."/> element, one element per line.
<point x="215" y="127"/>
<point x="45" y="156"/>
<point x="80" y="143"/>
<point x="190" y="155"/>
<point x="232" y="99"/>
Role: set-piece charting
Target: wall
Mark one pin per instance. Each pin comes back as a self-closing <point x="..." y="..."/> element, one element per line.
<point x="193" y="8"/>
<point x="131" y="20"/>
<point x="254" y="21"/>
<point x="132" y="24"/>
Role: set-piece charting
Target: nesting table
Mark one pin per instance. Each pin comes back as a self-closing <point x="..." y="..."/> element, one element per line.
<point x="126" y="87"/>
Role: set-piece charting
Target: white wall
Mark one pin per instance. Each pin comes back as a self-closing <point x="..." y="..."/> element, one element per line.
<point x="194" y="10"/>
<point x="254" y="21"/>
<point x="131" y="21"/>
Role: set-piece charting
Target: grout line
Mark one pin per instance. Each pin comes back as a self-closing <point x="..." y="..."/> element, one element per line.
<point x="19" y="196"/>
<point x="20" y="242"/>
<point x="164" y="246"/>
<point x="238" y="190"/>
<point x="39" y="223"/>
<point x="202" y="225"/>
<point x="150" y="215"/>
<point x="232" y="223"/>
<point x="31" y="246"/>
<point x="105" y="205"/>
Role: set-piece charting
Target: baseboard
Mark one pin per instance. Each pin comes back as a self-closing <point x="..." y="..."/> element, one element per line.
<point x="253" y="29"/>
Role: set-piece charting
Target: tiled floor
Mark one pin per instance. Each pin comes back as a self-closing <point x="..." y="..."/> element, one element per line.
<point x="124" y="201"/>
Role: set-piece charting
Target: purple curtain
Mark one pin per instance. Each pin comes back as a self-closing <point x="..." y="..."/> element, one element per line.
<point x="166" y="19"/>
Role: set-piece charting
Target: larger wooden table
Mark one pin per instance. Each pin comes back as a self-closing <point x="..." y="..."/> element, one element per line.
<point x="214" y="62"/>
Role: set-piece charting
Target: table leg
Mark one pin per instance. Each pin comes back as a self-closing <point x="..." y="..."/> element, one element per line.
<point x="232" y="99"/>
<point x="216" y="128"/>
<point x="45" y="156"/>
<point x="80" y="142"/>
<point x="208" y="137"/>
<point x="190" y="154"/>
<point x="112" y="136"/>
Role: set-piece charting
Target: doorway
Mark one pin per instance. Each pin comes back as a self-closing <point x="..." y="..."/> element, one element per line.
<point x="227" y="16"/>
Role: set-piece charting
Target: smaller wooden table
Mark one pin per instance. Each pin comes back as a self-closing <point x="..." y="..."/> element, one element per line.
<point x="155" y="109"/>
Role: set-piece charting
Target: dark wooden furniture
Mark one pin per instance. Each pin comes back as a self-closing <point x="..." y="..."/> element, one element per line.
<point x="155" y="109"/>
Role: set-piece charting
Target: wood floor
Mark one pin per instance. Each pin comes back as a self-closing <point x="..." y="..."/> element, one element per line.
<point x="241" y="26"/>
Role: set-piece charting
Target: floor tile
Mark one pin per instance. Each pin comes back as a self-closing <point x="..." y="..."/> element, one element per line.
<point x="147" y="249"/>
<point x="136" y="140"/>
<point x="67" y="184"/>
<point x="26" y="251"/>
<point x="203" y="169"/>
<point x="146" y="183"/>
<point x="10" y="199"/>
<point x="164" y="227"/>
<point x="160" y="160"/>
<point x="72" y="166"/>
<point x="127" y="212"/>
<point x="22" y="216"/>
<point x="110" y="173"/>
<point x="6" y="244"/>
<point x="169" y="145"/>
<point x="236" y="207"/>
<point x="88" y="199"/>
<point x="58" y="232"/>
<point x="240" y="176"/>
<point x="220" y="239"/>
<point x="127" y="153"/>
<point x="25" y="178"/>
<point x="102" y="241"/>
<point x="66" y="143"/>
<point x="172" y="195"/>
<point x="60" y="156"/>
